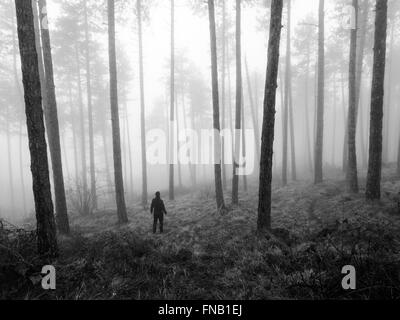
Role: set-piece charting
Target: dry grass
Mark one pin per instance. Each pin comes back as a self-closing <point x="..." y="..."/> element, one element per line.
<point x="204" y="255"/>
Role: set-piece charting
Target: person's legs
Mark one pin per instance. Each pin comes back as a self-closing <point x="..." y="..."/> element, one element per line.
<point x="161" y="218"/>
<point x="155" y="224"/>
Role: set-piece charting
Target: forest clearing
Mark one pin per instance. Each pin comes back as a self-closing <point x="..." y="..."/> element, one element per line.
<point x="206" y="255"/>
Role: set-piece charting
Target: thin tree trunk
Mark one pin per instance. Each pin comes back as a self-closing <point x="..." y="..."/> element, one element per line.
<point x="292" y="134"/>
<point x="46" y="227"/>
<point x="10" y="162"/>
<point x="119" y="184"/>
<point x="82" y="132"/>
<point x="268" y="128"/>
<point x="254" y="115"/>
<point x="52" y="125"/>
<point x="244" y="145"/>
<point x="177" y="141"/>
<point x="172" y="113"/>
<point x="74" y="138"/>
<point x="334" y="121"/>
<point x="21" y="167"/>
<point x="219" y="194"/>
<point x="352" y="176"/>
<point x="142" y="105"/>
<point x="307" y="114"/>
<point x="239" y="95"/>
<point x="128" y="135"/>
<point x="286" y="97"/>
<point x="377" y="94"/>
<point x="223" y="94"/>
<point x="321" y="87"/>
<point x="90" y="112"/>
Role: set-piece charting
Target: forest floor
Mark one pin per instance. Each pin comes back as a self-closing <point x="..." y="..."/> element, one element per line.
<point x="205" y="255"/>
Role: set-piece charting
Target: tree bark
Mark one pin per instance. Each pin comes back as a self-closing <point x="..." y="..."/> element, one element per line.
<point x="239" y="95"/>
<point x="119" y="184"/>
<point x="219" y="194"/>
<point x="53" y="131"/>
<point x="286" y="98"/>
<point x="46" y="227"/>
<point x="142" y="105"/>
<point x="352" y="176"/>
<point x="93" y="189"/>
<point x="321" y="98"/>
<point x="373" y="190"/>
<point x="264" y="204"/>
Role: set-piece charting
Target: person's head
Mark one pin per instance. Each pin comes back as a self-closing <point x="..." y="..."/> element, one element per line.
<point x="158" y="194"/>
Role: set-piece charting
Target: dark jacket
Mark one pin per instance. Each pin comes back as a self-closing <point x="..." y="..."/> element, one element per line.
<point x="157" y="207"/>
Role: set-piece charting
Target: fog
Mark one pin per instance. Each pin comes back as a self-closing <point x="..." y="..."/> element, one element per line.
<point x="192" y="91"/>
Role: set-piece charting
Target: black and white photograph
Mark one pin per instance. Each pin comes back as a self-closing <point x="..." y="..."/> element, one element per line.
<point x="178" y="151"/>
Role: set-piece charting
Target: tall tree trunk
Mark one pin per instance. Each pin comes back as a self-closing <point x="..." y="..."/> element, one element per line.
<point x="74" y="138"/>
<point x="82" y="132"/>
<point x="307" y="113"/>
<point x="244" y="145"/>
<point x="142" y="105"/>
<point x="9" y="161"/>
<point x="334" y="121"/>
<point x="53" y="131"/>
<point x="177" y="140"/>
<point x="292" y="134"/>
<point x="128" y="135"/>
<point x="254" y="115"/>
<point x="377" y="94"/>
<point x="223" y="93"/>
<point x="286" y="98"/>
<point x="219" y="194"/>
<point x="268" y="128"/>
<point x="352" y="177"/>
<point x="172" y="104"/>
<point x="90" y="112"/>
<point x="21" y="167"/>
<point x="363" y="25"/>
<point x="239" y="95"/>
<point x="321" y="100"/>
<point x="46" y="227"/>
<point x="119" y="183"/>
<point x="388" y="101"/>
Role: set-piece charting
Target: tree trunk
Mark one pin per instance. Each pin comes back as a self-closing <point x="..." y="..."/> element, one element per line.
<point x="352" y="177"/>
<point x="254" y="116"/>
<point x="388" y="102"/>
<point x="334" y="121"/>
<point x="10" y="162"/>
<point x="90" y="112"/>
<point x="74" y="138"/>
<point x="119" y="184"/>
<point x="321" y="87"/>
<point x="292" y="134"/>
<point x="172" y="104"/>
<point x="223" y="93"/>
<point x="128" y="135"/>
<point x="142" y="105"/>
<point x="53" y="131"/>
<point x="377" y="94"/>
<point x="46" y="228"/>
<point x="219" y="194"/>
<point x="21" y="168"/>
<point x="307" y="114"/>
<point x="286" y="98"/>
<point x="268" y="129"/>
<point x="82" y="132"/>
<point x="239" y="95"/>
